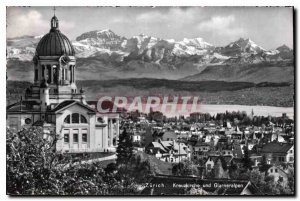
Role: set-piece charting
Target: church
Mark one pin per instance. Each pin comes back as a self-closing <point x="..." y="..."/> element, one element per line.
<point x="54" y="102"/>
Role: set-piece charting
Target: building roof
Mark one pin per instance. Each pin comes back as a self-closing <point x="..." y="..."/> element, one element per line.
<point x="237" y="151"/>
<point x="158" y="146"/>
<point x="227" y="159"/>
<point x="67" y="103"/>
<point x="165" y="146"/>
<point x="169" y="134"/>
<point x="55" y="43"/>
<point x="23" y="106"/>
<point x="276" y="147"/>
<point x="200" y="143"/>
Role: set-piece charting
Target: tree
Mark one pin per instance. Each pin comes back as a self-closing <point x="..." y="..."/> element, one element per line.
<point x="220" y="169"/>
<point x="246" y="159"/>
<point x="257" y="178"/>
<point x="233" y="171"/>
<point x="291" y="180"/>
<point x="31" y="160"/>
<point x="263" y="165"/>
<point x="185" y="168"/>
<point x="124" y="149"/>
<point x="35" y="168"/>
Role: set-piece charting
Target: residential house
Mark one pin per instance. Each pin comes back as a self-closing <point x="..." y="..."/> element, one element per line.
<point x="212" y="160"/>
<point x="280" y="176"/>
<point x="168" y="136"/>
<point x="169" y="151"/>
<point x="276" y="153"/>
<point x="200" y="149"/>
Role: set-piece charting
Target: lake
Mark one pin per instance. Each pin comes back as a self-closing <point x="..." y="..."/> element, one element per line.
<point x="257" y="109"/>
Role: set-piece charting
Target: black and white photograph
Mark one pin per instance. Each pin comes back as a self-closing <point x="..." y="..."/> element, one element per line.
<point x="150" y="101"/>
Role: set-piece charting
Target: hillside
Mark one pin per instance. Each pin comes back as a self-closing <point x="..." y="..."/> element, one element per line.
<point x="247" y="73"/>
<point x="209" y="92"/>
<point x="101" y="68"/>
<point x="158" y="166"/>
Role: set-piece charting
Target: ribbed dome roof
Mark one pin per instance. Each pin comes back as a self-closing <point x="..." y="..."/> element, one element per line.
<point x="55" y="43"/>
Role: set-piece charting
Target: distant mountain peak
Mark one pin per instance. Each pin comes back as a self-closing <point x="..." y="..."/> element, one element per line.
<point x="98" y="34"/>
<point x="196" y="42"/>
<point x="246" y="45"/>
<point x="105" y="31"/>
<point x="284" y="47"/>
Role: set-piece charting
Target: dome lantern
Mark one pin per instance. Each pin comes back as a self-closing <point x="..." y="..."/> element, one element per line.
<point x="54" y="23"/>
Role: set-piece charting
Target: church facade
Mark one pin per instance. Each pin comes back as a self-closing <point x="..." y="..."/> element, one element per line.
<point x="54" y="102"/>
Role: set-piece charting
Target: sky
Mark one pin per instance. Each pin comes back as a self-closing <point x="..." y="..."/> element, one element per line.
<point x="269" y="27"/>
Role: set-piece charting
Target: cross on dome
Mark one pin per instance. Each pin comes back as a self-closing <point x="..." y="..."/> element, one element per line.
<point x="54" y="21"/>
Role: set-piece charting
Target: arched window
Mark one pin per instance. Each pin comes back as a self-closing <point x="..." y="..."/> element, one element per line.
<point x="75" y="118"/>
<point x="83" y="119"/>
<point x="67" y="119"/>
<point x="100" y="120"/>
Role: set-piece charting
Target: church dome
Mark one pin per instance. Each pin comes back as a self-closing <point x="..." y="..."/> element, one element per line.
<point x="55" y="43"/>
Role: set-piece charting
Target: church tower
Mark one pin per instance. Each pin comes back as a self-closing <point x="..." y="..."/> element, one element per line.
<point x="54" y="103"/>
<point x="54" y="69"/>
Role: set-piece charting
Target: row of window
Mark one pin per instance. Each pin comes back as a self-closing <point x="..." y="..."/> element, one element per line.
<point x="271" y="170"/>
<point x="75" y="138"/>
<point x="75" y="118"/>
<point x="46" y="73"/>
<point x="280" y="159"/>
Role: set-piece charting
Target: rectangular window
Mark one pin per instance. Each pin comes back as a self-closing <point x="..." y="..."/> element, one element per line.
<point x="84" y="138"/>
<point x="63" y="74"/>
<point x="13" y="122"/>
<point x="66" y="138"/>
<point x="291" y="158"/>
<point x="271" y="170"/>
<point x="66" y="74"/>
<point x="276" y="170"/>
<point x="75" y="135"/>
<point x="36" y="74"/>
<point x="55" y="75"/>
<point x="49" y="74"/>
<point x="49" y="118"/>
<point x="84" y="135"/>
<point x="75" y="138"/>
<point x="43" y="71"/>
<point x="66" y="135"/>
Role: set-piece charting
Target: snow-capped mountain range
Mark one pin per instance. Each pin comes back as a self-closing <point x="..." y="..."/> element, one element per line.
<point x="151" y="49"/>
<point x="106" y="55"/>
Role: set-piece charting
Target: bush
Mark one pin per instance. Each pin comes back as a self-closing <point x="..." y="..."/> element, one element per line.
<point x="35" y="168"/>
